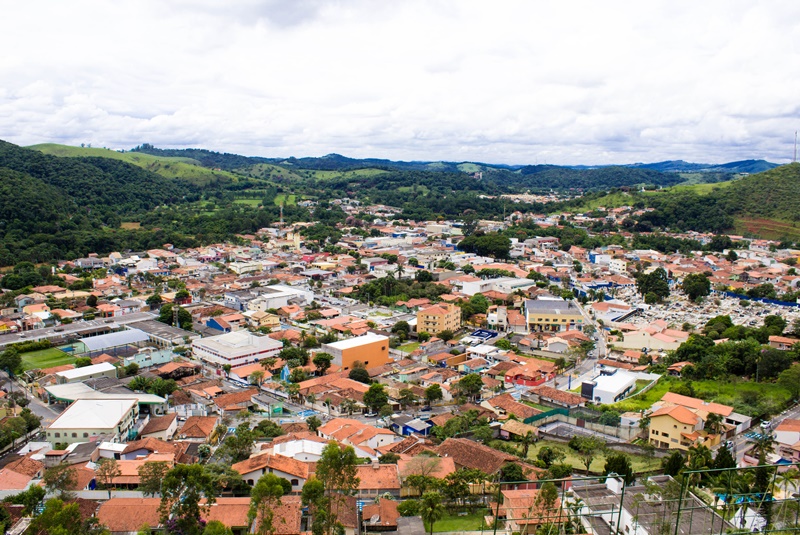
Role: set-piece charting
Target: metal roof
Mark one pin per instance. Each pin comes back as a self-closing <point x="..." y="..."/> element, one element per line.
<point x="120" y="338"/>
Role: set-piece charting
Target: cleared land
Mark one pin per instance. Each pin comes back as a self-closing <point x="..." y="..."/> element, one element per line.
<point x="766" y="228"/>
<point x="45" y="358"/>
<point x="470" y="522"/>
<point x="349" y="174"/>
<point x="184" y="168"/>
<point x="290" y="199"/>
<point x="641" y="463"/>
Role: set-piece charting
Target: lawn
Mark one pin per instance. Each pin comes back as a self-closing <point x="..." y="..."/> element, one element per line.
<point x="408" y="348"/>
<point x="640" y="462"/>
<point x="469" y="522"/>
<point x="45" y="358"/>
<point x="290" y="199"/>
<point x="248" y="202"/>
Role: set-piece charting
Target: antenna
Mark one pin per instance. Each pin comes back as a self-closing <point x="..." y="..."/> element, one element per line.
<point x="795" y="147"/>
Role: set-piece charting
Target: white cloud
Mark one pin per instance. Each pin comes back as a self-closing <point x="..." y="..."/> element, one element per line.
<point x="511" y="81"/>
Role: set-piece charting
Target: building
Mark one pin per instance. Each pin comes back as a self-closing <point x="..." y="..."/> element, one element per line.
<point x="371" y="350"/>
<point x="552" y="315"/>
<point x="294" y="471"/>
<point x="437" y="318"/>
<point x="94" y="371"/>
<point x="87" y="419"/>
<point x="610" y="386"/>
<point x="235" y="348"/>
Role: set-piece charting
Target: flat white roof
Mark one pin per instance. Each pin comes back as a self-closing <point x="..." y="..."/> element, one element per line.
<point x="237" y="341"/>
<point x="76" y="391"/>
<point x="93" y="414"/>
<point x="358" y="341"/>
<point x="77" y="373"/>
<point x="121" y="338"/>
<point x="614" y="383"/>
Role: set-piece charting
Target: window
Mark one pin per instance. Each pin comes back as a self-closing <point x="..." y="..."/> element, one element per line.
<point x="74" y="435"/>
<point x="85" y="435"/>
<point x="58" y="435"/>
<point x="294" y="482"/>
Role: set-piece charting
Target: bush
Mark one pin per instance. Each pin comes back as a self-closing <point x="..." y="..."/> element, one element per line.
<point x="408" y="508"/>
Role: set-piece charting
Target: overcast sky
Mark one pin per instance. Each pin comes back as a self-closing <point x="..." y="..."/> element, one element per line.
<point x="561" y="82"/>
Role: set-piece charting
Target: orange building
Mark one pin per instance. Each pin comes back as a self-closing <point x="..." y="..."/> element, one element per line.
<point x="437" y="318"/>
<point x="370" y="349"/>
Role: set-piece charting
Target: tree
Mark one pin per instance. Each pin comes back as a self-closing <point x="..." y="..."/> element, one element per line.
<point x="313" y="423"/>
<point x="59" y="518"/>
<point x="257" y="377"/>
<point x="407" y="397"/>
<point x="431" y="509"/>
<point x="655" y="283"/>
<point x="10" y="360"/>
<point x="674" y="464"/>
<point x="29" y="499"/>
<point x="620" y="464"/>
<point x="227" y="480"/>
<point x="433" y="393"/>
<point x="724" y="458"/>
<point x="60" y="479"/>
<point x="83" y="362"/>
<point x="512" y="472"/>
<point x="151" y="474"/>
<point x="470" y="386"/>
<point x="696" y="285"/>
<point x="505" y="344"/>
<point x="268" y="429"/>
<point x="167" y="315"/>
<point x="360" y="374"/>
<point x="238" y="446"/>
<point x="5" y="520"/>
<point x="421" y="483"/>
<point x="389" y="458"/>
<point x="313" y="496"/>
<point x="322" y="361"/>
<point x="446" y="335"/>
<point x="587" y="448"/>
<point x="154" y="301"/>
<point x="227" y="369"/>
<point x="107" y="470"/>
<point x="215" y="527"/>
<point x="131" y="369"/>
<point x="790" y="380"/>
<point x="266" y="495"/>
<point x="376" y="397"/>
<point x="183" y="488"/>
<point x="91" y="301"/>
<point x="549" y="455"/>
<point x="336" y="469"/>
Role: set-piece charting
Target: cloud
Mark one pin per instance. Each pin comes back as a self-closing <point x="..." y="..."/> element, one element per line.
<point x="511" y="82"/>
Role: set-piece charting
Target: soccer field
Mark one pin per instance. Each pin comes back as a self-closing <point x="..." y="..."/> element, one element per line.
<point x="45" y="358"/>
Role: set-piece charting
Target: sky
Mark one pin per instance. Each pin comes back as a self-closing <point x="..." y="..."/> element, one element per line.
<point x="516" y="82"/>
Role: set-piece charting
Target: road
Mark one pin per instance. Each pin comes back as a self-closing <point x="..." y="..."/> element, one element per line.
<point x="37" y="407"/>
<point x="742" y="444"/>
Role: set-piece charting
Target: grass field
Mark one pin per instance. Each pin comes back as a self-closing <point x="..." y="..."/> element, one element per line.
<point x="46" y="358"/>
<point x="356" y="173"/>
<point x="291" y="200"/>
<point x="268" y="171"/>
<point x="413" y="346"/>
<point x="470" y="522"/>
<point x="184" y="168"/>
<point x="130" y="225"/>
<point x="248" y="202"/>
<point x="640" y="463"/>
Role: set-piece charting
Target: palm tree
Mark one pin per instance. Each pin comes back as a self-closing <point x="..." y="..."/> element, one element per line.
<point x="527" y="440"/>
<point x="699" y="459"/>
<point x="713" y="423"/>
<point x="431" y="508"/>
<point x="257" y="377"/>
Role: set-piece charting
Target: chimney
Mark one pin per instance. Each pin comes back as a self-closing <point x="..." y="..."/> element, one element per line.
<point x="376" y="465"/>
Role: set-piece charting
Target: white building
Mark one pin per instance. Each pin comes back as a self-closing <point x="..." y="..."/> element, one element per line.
<point x="85" y="419"/>
<point x="95" y="371"/>
<point x="610" y="386"/>
<point x="235" y="348"/>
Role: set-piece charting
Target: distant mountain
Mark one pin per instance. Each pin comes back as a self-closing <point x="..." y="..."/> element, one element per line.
<point x="680" y="166"/>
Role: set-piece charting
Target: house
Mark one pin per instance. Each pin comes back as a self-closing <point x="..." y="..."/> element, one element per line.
<point x="233" y="513"/>
<point x="468" y="454"/>
<point x="504" y="406"/>
<point x="548" y="395"/>
<point x="296" y="472"/>
<point x="514" y="429"/>
<point x="610" y="386"/>
<point x="162" y="427"/>
<point x="532" y="372"/>
<point x="125" y="516"/>
<point x="783" y="343"/>
<point x="552" y="315"/>
<point x="198" y="428"/>
<point x="376" y="479"/>
<point x="407" y="425"/>
<point x="523" y="511"/>
<point x="234" y="402"/>
<point x="381" y="516"/>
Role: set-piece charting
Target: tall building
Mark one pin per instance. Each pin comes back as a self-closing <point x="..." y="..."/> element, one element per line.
<point x="437" y="318"/>
<point x="370" y="349"/>
<point x="552" y="315"/>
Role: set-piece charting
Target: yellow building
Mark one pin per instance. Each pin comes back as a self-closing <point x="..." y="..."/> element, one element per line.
<point x="677" y="428"/>
<point x="552" y="315"/>
<point x="370" y="349"/>
<point x="438" y="318"/>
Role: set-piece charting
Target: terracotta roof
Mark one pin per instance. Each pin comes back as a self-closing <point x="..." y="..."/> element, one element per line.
<point x="789" y="425"/>
<point x="510" y="406"/>
<point x="275" y="462"/>
<point x="235" y="398"/>
<point x="152" y="445"/>
<point x="385" y="511"/>
<point x="380" y="477"/>
<point x="26" y="466"/>
<point x="198" y="426"/>
<point x="129" y="514"/>
<point x="559" y="396"/>
<point x="470" y="454"/>
<point x="160" y="423"/>
<point x="230" y="511"/>
<point x="11" y="480"/>
<point x="677" y="412"/>
<point x="697" y="404"/>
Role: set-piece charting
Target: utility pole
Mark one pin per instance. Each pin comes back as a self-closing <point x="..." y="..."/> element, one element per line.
<point x="795" y="147"/>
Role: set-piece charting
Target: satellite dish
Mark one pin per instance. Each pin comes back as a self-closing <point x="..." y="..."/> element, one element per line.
<point x="375" y="519"/>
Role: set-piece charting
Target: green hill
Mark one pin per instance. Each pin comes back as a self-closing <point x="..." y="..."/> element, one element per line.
<point x="187" y="169"/>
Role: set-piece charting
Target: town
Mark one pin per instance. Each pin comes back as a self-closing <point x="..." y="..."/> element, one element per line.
<point x="424" y="376"/>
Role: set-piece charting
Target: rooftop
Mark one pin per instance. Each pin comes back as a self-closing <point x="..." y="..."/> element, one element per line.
<point x="93" y="414"/>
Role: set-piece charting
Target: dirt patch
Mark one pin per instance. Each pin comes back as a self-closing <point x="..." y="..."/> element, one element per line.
<point x="130" y="225"/>
<point x="767" y="228"/>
